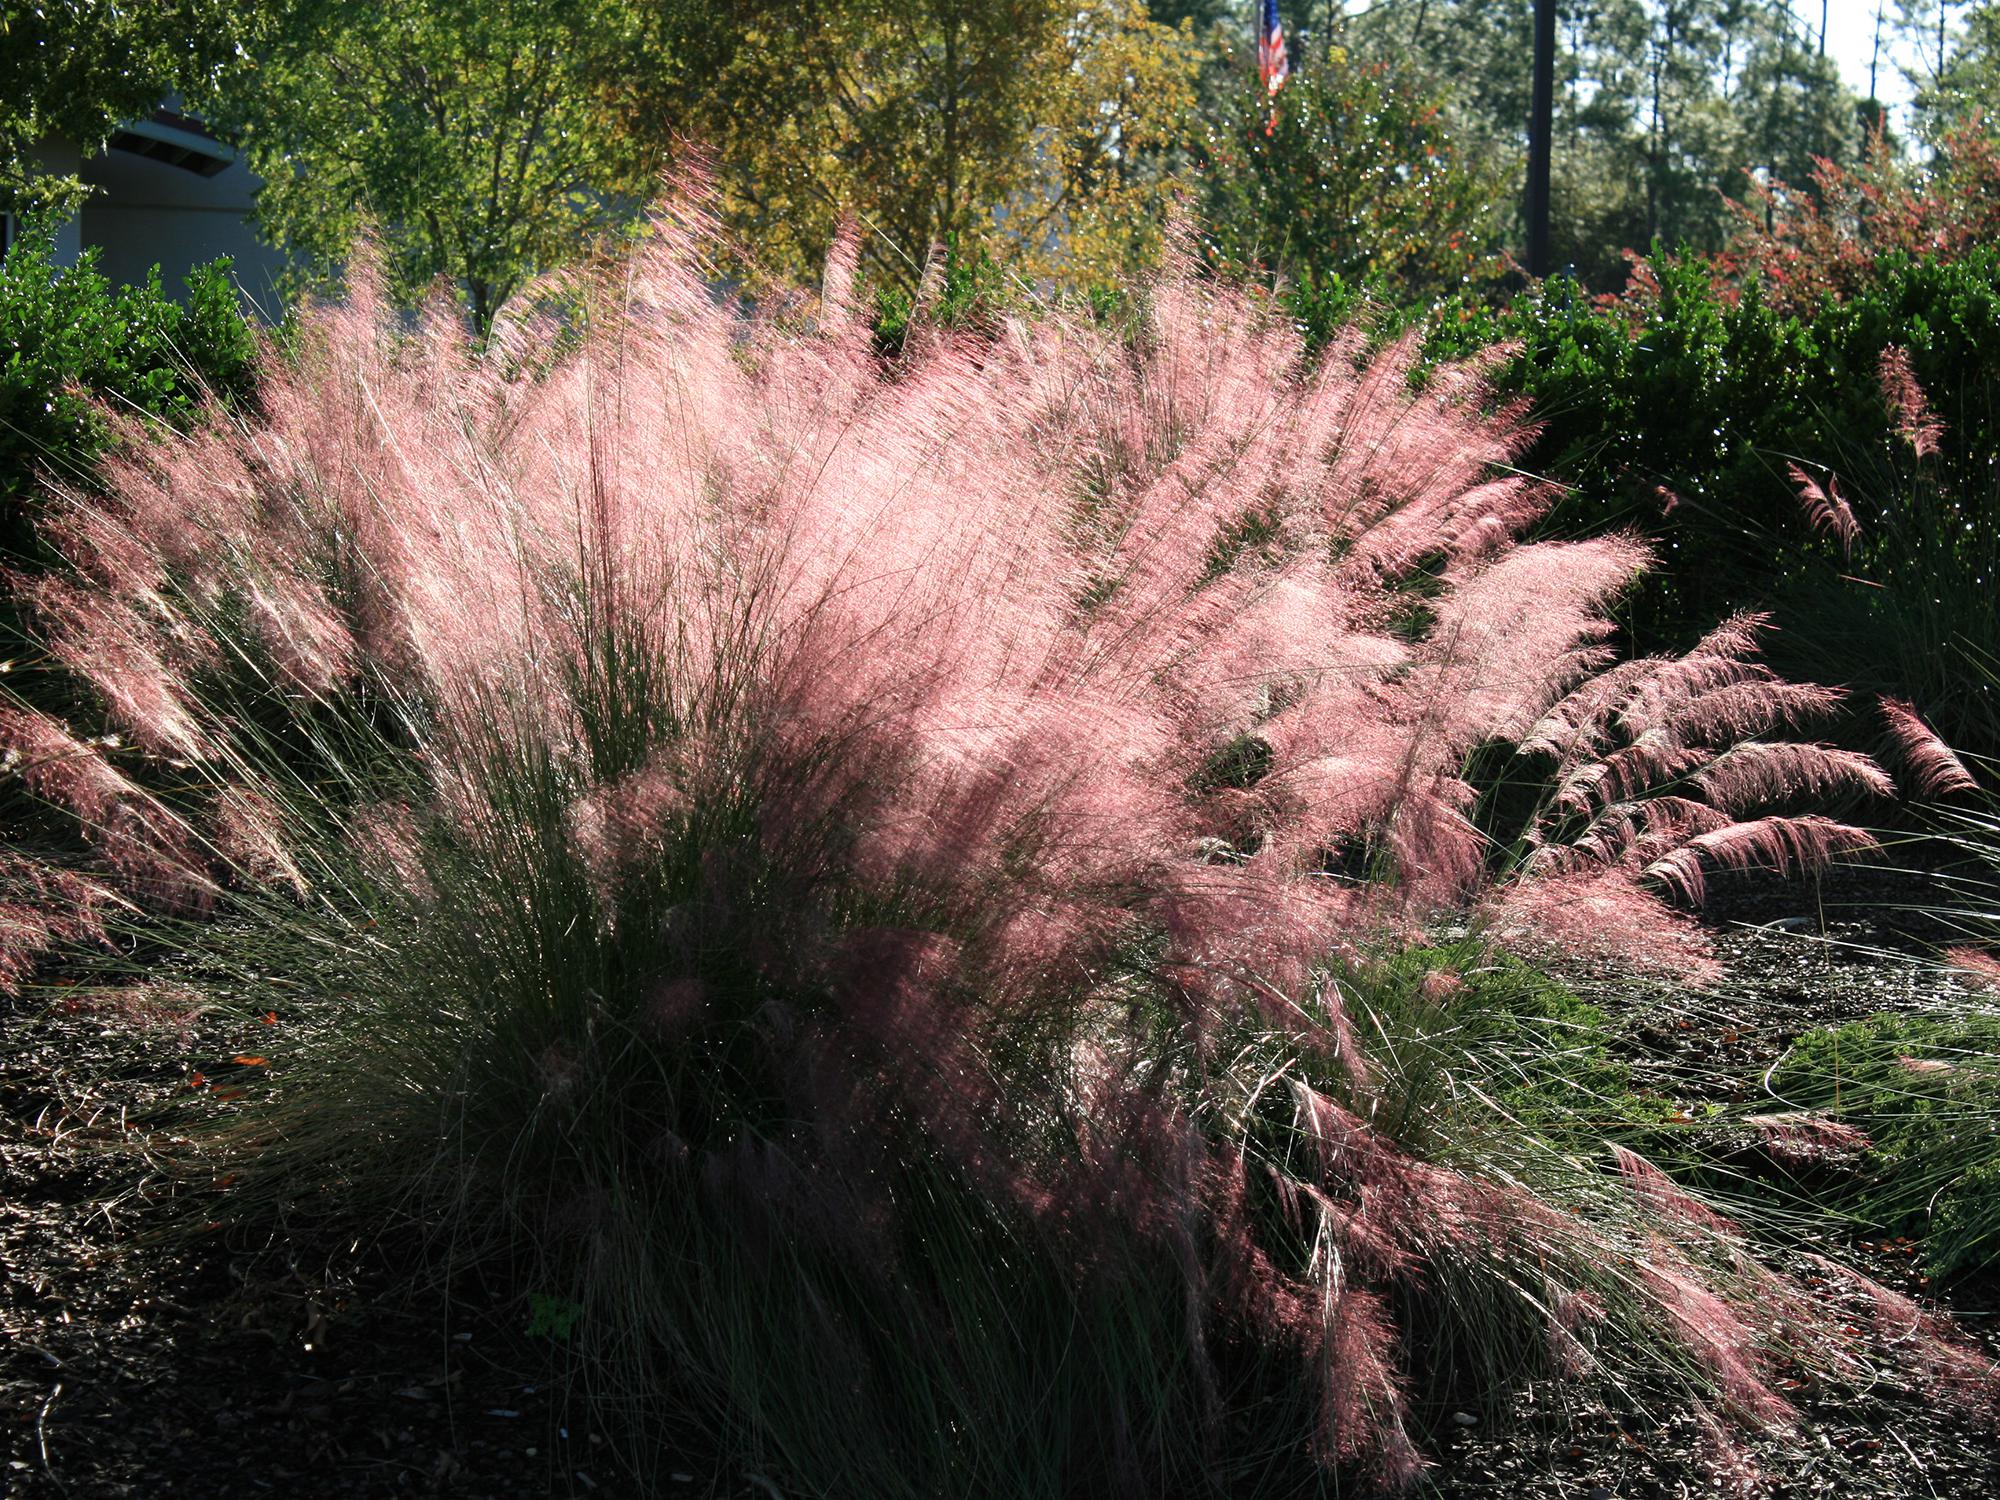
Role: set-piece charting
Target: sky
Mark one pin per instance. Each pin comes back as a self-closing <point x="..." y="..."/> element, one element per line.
<point x="1850" y="36"/>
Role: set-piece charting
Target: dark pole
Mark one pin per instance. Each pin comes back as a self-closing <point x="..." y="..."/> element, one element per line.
<point x="1540" y="133"/>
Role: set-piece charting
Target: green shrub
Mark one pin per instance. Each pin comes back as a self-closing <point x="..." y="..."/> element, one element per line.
<point x="971" y="292"/>
<point x="69" y="340"/>
<point x="1926" y="1088"/>
<point x="1541" y="1055"/>
<point x="1680" y="410"/>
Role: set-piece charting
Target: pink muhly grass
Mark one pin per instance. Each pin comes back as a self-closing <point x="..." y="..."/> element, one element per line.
<point x="130" y="658"/>
<point x="1677" y="1207"/>
<point x="1754" y="706"/>
<point x="1783" y="845"/>
<point x="1599" y="913"/>
<point x="1439" y="985"/>
<point x="1723" y="657"/>
<point x="43" y="906"/>
<point x="1755" y="774"/>
<point x="1927" y="1066"/>
<point x="249" y="838"/>
<point x="1572" y="1315"/>
<point x="1511" y="638"/>
<point x="898" y="697"/>
<point x="150" y="848"/>
<point x="1730" y="1465"/>
<point x="1938" y="772"/>
<point x="61" y="768"/>
<point x="1730" y="1349"/>
<point x="1801" y="1140"/>
<point x="1364" y="1408"/>
<point x="1916" y="423"/>
<point x="1826" y="509"/>
<point x="677" y="1006"/>
<point x="1955" y="1371"/>
<point x="1974" y="966"/>
<point x="1655" y="781"/>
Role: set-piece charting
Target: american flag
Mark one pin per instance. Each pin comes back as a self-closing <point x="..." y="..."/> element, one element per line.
<point x="1274" y="65"/>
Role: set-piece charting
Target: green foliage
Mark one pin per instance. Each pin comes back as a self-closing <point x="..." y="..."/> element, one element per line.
<point x="1537" y="1056"/>
<point x="1926" y="1088"/>
<point x="1035" y="131"/>
<point x="76" y="68"/>
<point x="1822" y="239"/>
<point x="1350" y="179"/>
<point x="483" y="142"/>
<point x="1967" y="83"/>
<point x="551" y="1317"/>
<point x="970" y="293"/>
<point x="1679" y="410"/>
<point x="69" y="341"/>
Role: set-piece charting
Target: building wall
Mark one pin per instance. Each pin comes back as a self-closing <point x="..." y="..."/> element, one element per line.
<point x="143" y="212"/>
<point x="60" y="159"/>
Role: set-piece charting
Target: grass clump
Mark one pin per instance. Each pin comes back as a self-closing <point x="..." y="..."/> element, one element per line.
<point x="786" y="856"/>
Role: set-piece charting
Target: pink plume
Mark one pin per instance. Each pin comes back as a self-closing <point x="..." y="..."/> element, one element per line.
<point x="1938" y="771"/>
<point x="1802" y="1140"/>
<point x="1758" y="773"/>
<point x="1916" y="423"/>
<point x="1975" y="966"/>
<point x="1679" y="1207"/>
<point x="1780" y="844"/>
<point x="1825" y="508"/>
<point x="1603" y="914"/>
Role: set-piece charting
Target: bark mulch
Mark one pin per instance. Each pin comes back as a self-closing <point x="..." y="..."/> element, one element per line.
<point x="133" y="1364"/>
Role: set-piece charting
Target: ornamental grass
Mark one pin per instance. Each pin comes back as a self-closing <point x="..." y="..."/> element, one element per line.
<point x="879" y="884"/>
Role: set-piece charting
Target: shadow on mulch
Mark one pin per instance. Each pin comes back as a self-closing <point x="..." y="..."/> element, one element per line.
<point x="137" y="1367"/>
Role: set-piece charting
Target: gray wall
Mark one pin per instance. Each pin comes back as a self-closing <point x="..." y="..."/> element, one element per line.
<point x="141" y="212"/>
<point x="60" y="159"/>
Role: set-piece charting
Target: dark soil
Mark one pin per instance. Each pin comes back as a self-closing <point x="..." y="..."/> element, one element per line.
<point x="135" y="1364"/>
<point x="139" y="1364"/>
<point x="1800" y="956"/>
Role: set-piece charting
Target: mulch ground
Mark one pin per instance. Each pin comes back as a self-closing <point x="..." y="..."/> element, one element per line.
<point x="1800" y="956"/>
<point x="135" y="1365"/>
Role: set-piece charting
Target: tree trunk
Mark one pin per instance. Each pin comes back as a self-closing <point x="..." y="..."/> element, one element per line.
<point x="1541" y="137"/>
<point x="1657" y="164"/>
<point x="1874" y="58"/>
<point x="950" y="128"/>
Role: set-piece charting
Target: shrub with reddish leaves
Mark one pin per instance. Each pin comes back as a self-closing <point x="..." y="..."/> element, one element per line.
<point x="802" y="855"/>
<point x="1807" y="243"/>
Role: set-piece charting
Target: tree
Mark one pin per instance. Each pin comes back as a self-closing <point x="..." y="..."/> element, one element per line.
<point x="1926" y="28"/>
<point x="1109" y="153"/>
<point x="1791" y="107"/>
<point x="1661" y="105"/>
<point x="76" y="68"/>
<point x="914" y="119"/>
<point x="1969" y="82"/>
<point x="1031" y="130"/>
<point x="484" y="140"/>
<point x="1471" y="55"/>
<point x="1353" y="175"/>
